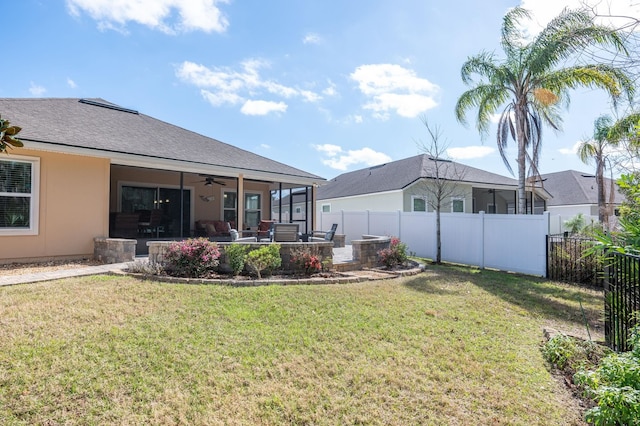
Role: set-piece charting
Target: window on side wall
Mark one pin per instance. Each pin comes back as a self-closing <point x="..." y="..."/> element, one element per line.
<point x="326" y="208"/>
<point x="457" y="205"/>
<point x="418" y="204"/>
<point x="19" y="180"/>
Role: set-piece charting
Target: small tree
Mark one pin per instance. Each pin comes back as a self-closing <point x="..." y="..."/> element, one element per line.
<point x="443" y="178"/>
<point x="265" y="259"/>
<point x="8" y="134"/>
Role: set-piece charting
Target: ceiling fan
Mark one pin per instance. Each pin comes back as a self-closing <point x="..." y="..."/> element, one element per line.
<point x="208" y="181"/>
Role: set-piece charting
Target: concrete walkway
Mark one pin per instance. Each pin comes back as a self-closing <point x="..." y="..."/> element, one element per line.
<point x="340" y="255"/>
<point x="62" y="273"/>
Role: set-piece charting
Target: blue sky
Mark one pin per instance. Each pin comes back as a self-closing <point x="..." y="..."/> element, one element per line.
<point x="326" y="86"/>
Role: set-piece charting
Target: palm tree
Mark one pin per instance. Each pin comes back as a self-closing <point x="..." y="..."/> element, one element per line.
<point x="596" y="150"/>
<point x="529" y="84"/>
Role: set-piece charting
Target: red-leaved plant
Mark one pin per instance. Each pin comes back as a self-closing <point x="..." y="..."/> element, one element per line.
<point x="193" y="258"/>
<point x="395" y="255"/>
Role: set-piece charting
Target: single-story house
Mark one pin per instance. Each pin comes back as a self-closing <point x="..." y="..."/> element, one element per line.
<point x="576" y="192"/>
<point x="408" y="185"/>
<point x="90" y="168"/>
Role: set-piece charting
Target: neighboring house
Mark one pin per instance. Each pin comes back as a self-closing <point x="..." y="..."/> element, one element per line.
<point x="402" y="185"/>
<point x="576" y="192"/>
<point x="86" y="161"/>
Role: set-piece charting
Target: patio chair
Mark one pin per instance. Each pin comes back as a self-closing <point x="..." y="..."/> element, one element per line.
<point x="149" y="222"/>
<point x="324" y="235"/>
<point x="285" y="233"/>
<point x="236" y="238"/>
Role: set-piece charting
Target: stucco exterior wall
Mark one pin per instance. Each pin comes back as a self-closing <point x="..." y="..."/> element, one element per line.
<point x="73" y="199"/>
<point x="427" y="189"/>
<point x="374" y="202"/>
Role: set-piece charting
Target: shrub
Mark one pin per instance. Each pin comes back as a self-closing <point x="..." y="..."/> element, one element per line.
<point x="236" y="255"/>
<point x="193" y="258"/>
<point x="570" y="353"/>
<point x="307" y="262"/>
<point x="265" y="259"/>
<point x="145" y="267"/>
<point x="615" y="386"/>
<point x="395" y="255"/>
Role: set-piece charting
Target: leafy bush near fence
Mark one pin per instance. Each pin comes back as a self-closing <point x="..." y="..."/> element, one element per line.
<point x="264" y="260"/>
<point x="236" y="257"/>
<point x="395" y="255"/>
<point x="570" y="260"/>
<point x="192" y="258"/>
<point x="615" y="386"/>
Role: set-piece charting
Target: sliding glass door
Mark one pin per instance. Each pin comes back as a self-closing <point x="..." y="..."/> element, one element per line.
<point x="167" y="200"/>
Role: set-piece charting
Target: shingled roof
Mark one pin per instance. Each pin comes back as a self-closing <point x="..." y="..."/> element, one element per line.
<point x="101" y="126"/>
<point x="571" y="187"/>
<point x="399" y="174"/>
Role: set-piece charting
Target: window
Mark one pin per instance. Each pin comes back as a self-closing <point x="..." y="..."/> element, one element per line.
<point x="418" y="204"/>
<point x="298" y="210"/>
<point x="229" y="204"/>
<point x="252" y="209"/>
<point x="457" y="205"/>
<point x="326" y="208"/>
<point x="19" y="177"/>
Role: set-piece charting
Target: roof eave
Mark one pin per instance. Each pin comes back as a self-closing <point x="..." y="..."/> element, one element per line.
<point x="138" y="160"/>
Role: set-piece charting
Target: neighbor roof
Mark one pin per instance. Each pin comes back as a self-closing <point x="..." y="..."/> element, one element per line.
<point x="402" y="173"/>
<point x="571" y="187"/>
<point x="101" y="126"/>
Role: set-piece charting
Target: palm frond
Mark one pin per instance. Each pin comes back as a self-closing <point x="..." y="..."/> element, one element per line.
<point x="486" y="98"/>
<point x="569" y="33"/>
<point x="512" y="36"/>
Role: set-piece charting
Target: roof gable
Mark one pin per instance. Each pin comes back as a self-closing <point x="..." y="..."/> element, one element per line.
<point x="96" y="124"/>
<point x="397" y="175"/>
<point x="571" y="187"/>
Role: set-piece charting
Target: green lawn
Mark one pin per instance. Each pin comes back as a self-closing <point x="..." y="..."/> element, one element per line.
<point x="451" y="346"/>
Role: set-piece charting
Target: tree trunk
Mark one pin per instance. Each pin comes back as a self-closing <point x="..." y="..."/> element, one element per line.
<point x="520" y="118"/>
<point x="602" y="208"/>
<point x="438" y="239"/>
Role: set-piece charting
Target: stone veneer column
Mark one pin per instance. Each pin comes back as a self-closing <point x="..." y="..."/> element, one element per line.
<point x="114" y="250"/>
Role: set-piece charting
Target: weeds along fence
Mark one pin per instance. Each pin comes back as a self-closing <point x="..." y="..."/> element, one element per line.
<point x="566" y="261"/>
<point x="621" y="298"/>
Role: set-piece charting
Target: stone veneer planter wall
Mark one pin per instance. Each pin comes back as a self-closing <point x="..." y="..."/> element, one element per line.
<point x="114" y="250"/>
<point x="323" y="249"/>
<point x="365" y="251"/>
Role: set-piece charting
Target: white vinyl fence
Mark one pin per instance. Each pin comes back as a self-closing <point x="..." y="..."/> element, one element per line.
<point x="507" y="242"/>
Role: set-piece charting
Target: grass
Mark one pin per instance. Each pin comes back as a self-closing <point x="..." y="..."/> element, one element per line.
<point x="452" y="346"/>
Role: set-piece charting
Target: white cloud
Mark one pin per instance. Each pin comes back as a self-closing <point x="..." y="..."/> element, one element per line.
<point x="470" y="152"/>
<point x="192" y="15"/>
<point x="570" y="151"/>
<point x="341" y="160"/>
<point x="394" y="88"/>
<point x="265" y="146"/>
<point x="226" y="86"/>
<point x="262" y="107"/>
<point x="312" y="38"/>
<point x="36" y="90"/>
<point x="71" y="83"/>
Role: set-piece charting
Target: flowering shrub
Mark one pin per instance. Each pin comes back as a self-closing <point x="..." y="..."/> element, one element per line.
<point x="395" y="255"/>
<point x="193" y="258"/>
<point x="306" y="262"/>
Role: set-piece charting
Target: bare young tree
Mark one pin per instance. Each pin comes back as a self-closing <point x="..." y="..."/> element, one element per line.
<point x="443" y="177"/>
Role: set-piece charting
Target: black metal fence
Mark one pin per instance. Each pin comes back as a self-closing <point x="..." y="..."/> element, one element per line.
<point x="566" y="261"/>
<point x="621" y="298"/>
<point x="617" y="273"/>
